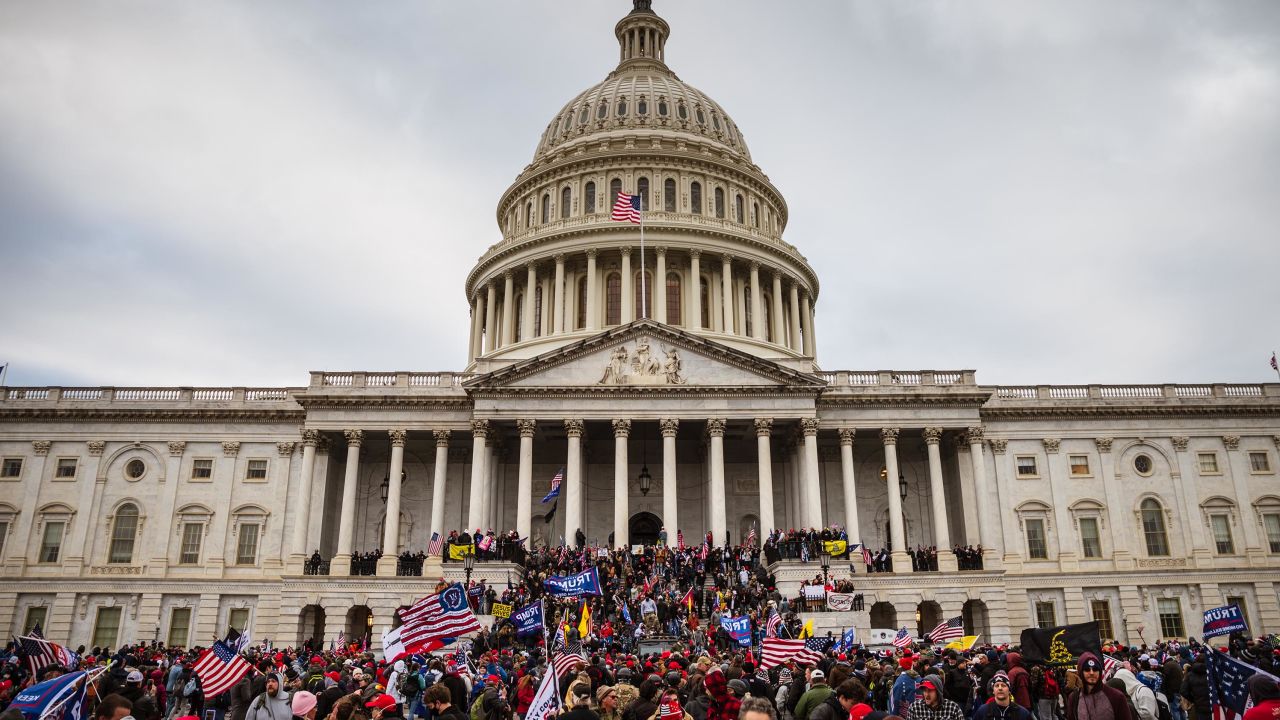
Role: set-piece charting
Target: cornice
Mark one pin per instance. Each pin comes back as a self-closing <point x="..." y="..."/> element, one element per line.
<point x="151" y="414"/>
<point x="972" y="400"/>
<point x="709" y="391"/>
<point x="377" y="402"/>
<point x="1128" y="411"/>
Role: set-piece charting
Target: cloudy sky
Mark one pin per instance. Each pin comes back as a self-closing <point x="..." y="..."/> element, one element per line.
<point x="234" y="193"/>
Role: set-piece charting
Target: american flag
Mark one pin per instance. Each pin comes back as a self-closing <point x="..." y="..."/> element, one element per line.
<point x="569" y="657"/>
<point x="436" y="545"/>
<point x="1228" y="685"/>
<point x="776" y="651"/>
<point x="948" y="630"/>
<point x="771" y="625"/>
<point x="866" y="555"/>
<point x="627" y="208"/>
<point x="903" y="638"/>
<point x="219" y="668"/>
<point x="554" y="492"/>
<point x="680" y="539"/>
<point x="40" y="652"/>
<point x="751" y="536"/>
<point x="460" y="654"/>
<point x="1109" y="666"/>
<point x="428" y="622"/>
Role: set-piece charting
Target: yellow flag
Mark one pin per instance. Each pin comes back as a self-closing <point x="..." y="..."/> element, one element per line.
<point x="807" y="630"/>
<point x="457" y="552"/>
<point x="584" y="625"/>
<point x="837" y="548"/>
<point x="962" y="644"/>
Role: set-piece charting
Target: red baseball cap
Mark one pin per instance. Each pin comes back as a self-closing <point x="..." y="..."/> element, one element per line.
<point x="381" y="702"/>
<point x="859" y="711"/>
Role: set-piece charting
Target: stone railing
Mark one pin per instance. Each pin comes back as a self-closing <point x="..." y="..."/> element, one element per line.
<point x="602" y="219"/>
<point x="858" y="378"/>
<point x="1134" y="392"/>
<point x="362" y="379"/>
<point x="149" y="396"/>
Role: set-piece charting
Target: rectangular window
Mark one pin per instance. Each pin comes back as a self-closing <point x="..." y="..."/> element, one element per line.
<point x="202" y="468"/>
<point x="247" y="545"/>
<point x="35" y="616"/>
<point x="1222" y="534"/>
<point x="256" y="470"/>
<point x="1090" y="544"/>
<point x="1271" y="522"/>
<point x="1259" y="462"/>
<point x="239" y="618"/>
<point x="51" y="542"/>
<point x="1027" y="466"/>
<point x="1079" y="465"/>
<point x="1170" y="612"/>
<point x="11" y="468"/>
<point x="66" y="467"/>
<point x="179" y="627"/>
<point x="106" y="627"/>
<point x="1046" y="615"/>
<point x="1037" y="549"/>
<point x="1101" y="610"/>
<point x="192" y="535"/>
<point x="1238" y="601"/>
<point x="1208" y="463"/>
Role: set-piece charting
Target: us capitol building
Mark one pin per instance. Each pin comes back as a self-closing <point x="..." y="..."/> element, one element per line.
<point x="133" y="514"/>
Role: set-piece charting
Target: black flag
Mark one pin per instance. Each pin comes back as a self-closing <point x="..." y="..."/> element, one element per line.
<point x="551" y="515"/>
<point x="1062" y="645"/>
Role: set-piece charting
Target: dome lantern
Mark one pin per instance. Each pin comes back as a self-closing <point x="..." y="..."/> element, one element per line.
<point x="642" y="36"/>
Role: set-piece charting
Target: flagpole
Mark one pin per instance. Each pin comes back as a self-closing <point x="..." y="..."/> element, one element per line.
<point x="644" y="298"/>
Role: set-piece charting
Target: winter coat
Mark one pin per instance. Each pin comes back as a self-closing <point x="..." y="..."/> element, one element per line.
<point x="816" y="695"/>
<point x="1142" y="697"/>
<point x="1119" y="703"/>
<point x="903" y="693"/>
<point x="271" y="707"/>
<point x="1019" y="680"/>
<point x="724" y="706"/>
<point x="1195" y="688"/>
<point x="829" y="709"/>
<point x="991" y="710"/>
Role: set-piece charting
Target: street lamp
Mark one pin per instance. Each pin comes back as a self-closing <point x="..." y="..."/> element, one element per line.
<point x="646" y="480"/>
<point x="825" y="558"/>
<point x="385" y="488"/>
<point x="902" y="487"/>
<point x="468" y="564"/>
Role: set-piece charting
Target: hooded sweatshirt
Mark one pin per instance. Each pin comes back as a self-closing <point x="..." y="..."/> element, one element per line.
<point x="1142" y="697"/>
<point x="1019" y="680"/>
<point x="271" y="707"/>
<point x="1097" y="702"/>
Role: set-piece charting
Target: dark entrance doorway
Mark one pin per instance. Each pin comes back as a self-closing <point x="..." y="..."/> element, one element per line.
<point x="644" y="528"/>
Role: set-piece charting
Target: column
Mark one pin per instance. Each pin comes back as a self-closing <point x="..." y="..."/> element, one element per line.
<point x="621" y="435"/>
<point x="1200" y="554"/>
<point x="508" y="307"/>
<point x="593" y="313"/>
<point x="1238" y="463"/>
<point x="941" y="531"/>
<point x="795" y="317"/>
<point x="982" y="491"/>
<point x="479" y="456"/>
<point x="477" y="315"/>
<point x="488" y="505"/>
<point x="524" y="486"/>
<point x="757" y="311"/>
<point x="806" y="320"/>
<point x="439" y="475"/>
<point x="659" y="285"/>
<point x="557" y="308"/>
<point x="695" y="290"/>
<point x="715" y="429"/>
<point x="812" y="491"/>
<point x="726" y="292"/>
<point x="341" y="563"/>
<point x="764" y="463"/>
<point x="302" y="517"/>
<point x="897" y="538"/>
<point x="670" y="501"/>
<point x="391" y="526"/>
<point x="775" y="317"/>
<point x="573" y="480"/>
<point x="530" y="293"/>
<point x="850" y="486"/>
<point x="628" y="288"/>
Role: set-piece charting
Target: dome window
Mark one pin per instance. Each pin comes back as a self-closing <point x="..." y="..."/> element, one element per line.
<point x="584" y="116"/>
<point x="589" y="199"/>
<point x="715" y="120"/>
<point x="702" y="119"/>
<point x="682" y="111"/>
<point x="622" y="107"/>
<point x="603" y="111"/>
<point x="719" y="195"/>
<point x="669" y="195"/>
<point x="695" y="197"/>
<point x="568" y="121"/>
<point x="662" y="108"/>
<point x="642" y="107"/>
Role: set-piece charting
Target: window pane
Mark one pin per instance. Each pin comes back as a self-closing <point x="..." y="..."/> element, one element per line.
<point x="737" y="208"/>
<point x="51" y="543"/>
<point x="107" y="627"/>
<point x="192" y="534"/>
<point x="1036" y="548"/>
<point x="669" y="195"/>
<point x="67" y="468"/>
<point x="122" y="534"/>
<point x="1090" y="544"/>
<point x="1153" y="529"/>
<point x="566" y="201"/>
<point x="1027" y="465"/>
<point x="1102" y="614"/>
<point x="1222" y="534"/>
<point x="1259" y="462"/>
<point x="179" y="627"/>
<point x="247" y="546"/>
<point x="239" y="619"/>
<point x="1079" y="464"/>
<point x="202" y="469"/>
<point x="589" y="199"/>
<point x="674" y="316"/>
<point x="1046" y="616"/>
<point x="11" y="468"/>
<point x="613" y="299"/>
<point x="695" y="198"/>
<point x="1208" y="462"/>
<point x="256" y="470"/>
<point x="642" y="189"/>
<point x="36" y="616"/>
<point x="1271" y="522"/>
<point x="582" y="303"/>
<point x="1170" y="612"/>
<point x="615" y="187"/>
<point x="719" y="203"/>
<point x="537" y="311"/>
<point x="4" y="533"/>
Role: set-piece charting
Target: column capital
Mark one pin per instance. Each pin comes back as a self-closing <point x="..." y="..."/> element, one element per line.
<point x="974" y="434"/>
<point x="999" y="445"/>
<point x="890" y="435"/>
<point x="355" y="438"/>
<point x="532" y="266"/>
<point x="847" y="435"/>
<point x="960" y="443"/>
<point x="932" y="435"/>
<point x="442" y="438"/>
<point x="527" y="427"/>
<point x="96" y="447"/>
<point x="669" y="426"/>
<point x="661" y="250"/>
<point x="41" y="447"/>
<point x="764" y="427"/>
<point x="508" y="274"/>
<point x="1180" y="443"/>
<point x="285" y="448"/>
<point x="754" y="266"/>
<point x="323" y="446"/>
<point x="231" y="448"/>
<point x="621" y="428"/>
<point x="1231" y="441"/>
<point x="310" y="436"/>
<point x="694" y="253"/>
<point x="574" y="428"/>
<point x="398" y="436"/>
<point x="715" y="427"/>
<point x="625" y="250"/>
<point x="480" y="428"/>
<point x="559" y="258"/>
<point x="592" y="252"/>
<point x="727" y="259"/>
<point x="177" y="447"/>
<point x="809" y="426"/>
<point x="1051" y="445"/>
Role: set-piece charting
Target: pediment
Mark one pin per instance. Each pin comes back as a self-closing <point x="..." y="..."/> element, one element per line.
<point x="646" y="355"/>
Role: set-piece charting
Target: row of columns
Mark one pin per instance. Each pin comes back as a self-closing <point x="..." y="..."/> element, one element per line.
<point x="797" y="328"/>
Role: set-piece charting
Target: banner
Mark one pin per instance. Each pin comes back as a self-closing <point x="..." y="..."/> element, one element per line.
<point x="814" y="592"/>
<point x="546" y="703"/>
<point x="739" y="629"/>
<point x="1223" y="621"/>
<point x="457" y="552"/>
<point x="836" y="548"/>
<point x="528" y="619"/>
<point x="61" y="697"/>
<point x="586" y="582"/>
<point x="847" y="640"/>
<point x="500" y="610"/>
<point x="840" y="602"/>
<point x="1060" y="646"/>
<point x="965" y="643"/>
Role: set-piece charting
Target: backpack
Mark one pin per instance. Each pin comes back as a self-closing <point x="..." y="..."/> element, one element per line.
<point x="408" y="685"/>
<point x="190" y="688"/>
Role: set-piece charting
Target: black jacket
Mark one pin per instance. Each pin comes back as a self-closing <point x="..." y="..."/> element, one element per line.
<point x="829" y="709"/>
<point x="1195" y="688"/>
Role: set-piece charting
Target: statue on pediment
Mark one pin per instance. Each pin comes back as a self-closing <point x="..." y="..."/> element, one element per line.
<point x="643" y="366"/>
<point x="671" y="367"/>
<point x="615" y="371"/>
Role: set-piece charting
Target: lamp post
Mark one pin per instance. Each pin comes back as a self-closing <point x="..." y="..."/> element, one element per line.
<point x="825" y="558"/>
<point x="468" y="564"/>
<point x="646" y="480"/>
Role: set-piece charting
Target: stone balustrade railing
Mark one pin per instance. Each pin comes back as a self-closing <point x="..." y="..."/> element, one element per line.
<point x="388" y="379"/>
<point x="559" y="225"/>
<point x="1135" y="392"/>
<point x="150" y="395"/>
<point x="862" y="378"/>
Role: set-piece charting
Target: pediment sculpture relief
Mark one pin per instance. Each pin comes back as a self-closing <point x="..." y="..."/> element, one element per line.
<point x="641" y="367"/>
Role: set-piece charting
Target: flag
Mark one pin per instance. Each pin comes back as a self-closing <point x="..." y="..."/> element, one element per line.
<point x="687" y="600"/>
<point x="680" y="539"/>
<point x="547" y="700"/>
<point x="554" y="492"/>
<point x="36" y="632"/>
<point x="436" y="618"/>
<point x="751" y="536"/>
<point x="219" y="668"/>
<point x="903" y="638"/>
<point x="551" y="516"/>
<point x="40" y="653"/>
<point x="775" y="651"/>
<point x="1109" y="666"/>
<point x="1228" y="685"/>
<point x="569" y="658"/>
<point x="947" y="630"/>
<point x="806" y="631"/>
<point x="61" y="698"/>
<point x="460" y="655"/>
<point x="627" y="208"/>
<point x="848" y="640"/>
<point x="237" y="640"/>
<point x="1274" y="365"/>
<point x="866" y="555"/>
<point x="771" y="625"/>
<point x="437" y="544"/>
<point x="584" y="625"/>
<point x="626" y="614"/>
<point x="965" y="643"/>
<point x="485" y="543"/>
<point x="1060" y="646"/>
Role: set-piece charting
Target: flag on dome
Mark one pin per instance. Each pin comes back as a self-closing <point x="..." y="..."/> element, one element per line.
<point x="627" y="208"/>
<point x="948" y="630"/>
<point x="903" y="638"/>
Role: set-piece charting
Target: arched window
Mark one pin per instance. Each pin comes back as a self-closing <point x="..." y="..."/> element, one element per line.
<point x="755" y="214"/>
<point x="519" y="315"/>
<point x="746" y="310"/>
<point x="715" y="120"/>
<point x="582" y="303"/>
<point x="1153" y="528"/>
<point x="589" y="199"/>
<point x="669" y="195"/>
<point x="720" y="203"/>
<point x="642" y="106"/>
<point x="645" y="310"/>
<point x="602" y="111"/>
<point x="546" y="207"/>
<point x="737" y="208"/>
<point x="662" y="107"/>
<point x="702" y="118"/>
<point x="568" y="120"/>
<point x="565" y="201"/>
<point x="682" y="111"/>
<point x="613" y="299"/>
<point x="537" y="311"/>
<point x="615" y="187"/>
<point x="528" y="215"/>
<point x="124" y="530"/>
<point x="704" y="293"/>
<point x="673" y="300"/>
<point x="695" y="197"/>
<point x="622" y="107"/>
<point x="642" y="189"/>
<point x="584" y="116"/>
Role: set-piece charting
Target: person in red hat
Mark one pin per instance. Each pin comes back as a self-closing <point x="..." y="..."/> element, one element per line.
<point x="383" y="707"/>
<point x="930" y="704"/>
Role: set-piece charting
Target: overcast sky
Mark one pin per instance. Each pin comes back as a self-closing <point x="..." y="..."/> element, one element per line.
<point x="234" y="193"/>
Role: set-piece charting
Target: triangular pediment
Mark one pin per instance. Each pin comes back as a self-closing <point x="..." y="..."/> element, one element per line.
<point x="646" y="354"/>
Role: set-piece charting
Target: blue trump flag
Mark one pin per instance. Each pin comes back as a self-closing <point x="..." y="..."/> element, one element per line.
<point x="739" y="629"/>
<point x="528" y="619"/>
<point x="66" y="692"/>
<point x="1223" y="621"/>
<point x="847" y="640"/>
<point x="586" y="582"/>
<point x="1229" y="685"/>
